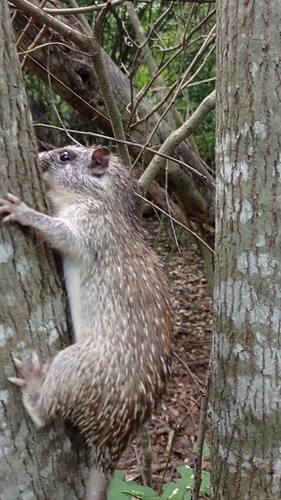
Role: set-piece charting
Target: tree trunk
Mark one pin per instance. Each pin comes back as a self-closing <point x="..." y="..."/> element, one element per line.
<point x="247" y="364"/>
<point x="33" y="464"/>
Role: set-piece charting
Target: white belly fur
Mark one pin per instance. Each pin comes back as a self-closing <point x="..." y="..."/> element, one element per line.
<point x="72" y="281"/>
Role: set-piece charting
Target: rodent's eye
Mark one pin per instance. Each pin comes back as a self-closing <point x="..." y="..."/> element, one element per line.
<point x="65" y="156"/>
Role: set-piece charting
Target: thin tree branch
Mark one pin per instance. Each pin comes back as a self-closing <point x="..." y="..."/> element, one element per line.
<point x="113" y="3"/>
<point x="199" y="186"/>
<point x="106" y="90"/>
<point x="170" y="217"/>
<point x="89" y="44"/>
<point x="201" y="436"/>
<point x="176" y="138"/>
<point x="158" y="81"/>
<point x="146" y="52"/>
<point x="80" y="15"/>
<point x="84" y="10"/>
<point x="147" y="455"/>
<point x="177" y="85"/>
<point x="173" y="441"/>
<point x="81" y="40"/>
<point x="164" y="66"/>
<point x="171" y="103"/>
<point x="190" y="373"/>
<point x="134" y="145"/>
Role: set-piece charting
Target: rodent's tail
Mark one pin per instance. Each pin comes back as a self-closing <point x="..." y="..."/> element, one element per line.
<point x="97" y="485"/>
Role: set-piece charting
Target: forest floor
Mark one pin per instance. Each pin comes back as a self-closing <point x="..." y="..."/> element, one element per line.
<point x="193" y="332"/>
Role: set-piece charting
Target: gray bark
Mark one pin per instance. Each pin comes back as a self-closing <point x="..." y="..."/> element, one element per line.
<point x="34" y="464"/>
<point x="247" y="365"/>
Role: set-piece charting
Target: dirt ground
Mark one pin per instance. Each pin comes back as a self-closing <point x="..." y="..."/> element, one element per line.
<point x="193" y="331"/>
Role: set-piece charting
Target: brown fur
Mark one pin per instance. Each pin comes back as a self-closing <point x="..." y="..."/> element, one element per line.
<point x="109" y="381"/>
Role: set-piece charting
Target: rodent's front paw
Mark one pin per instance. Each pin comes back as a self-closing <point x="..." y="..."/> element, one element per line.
<point x="13" y="207"/>
<point x="30" y="373"/>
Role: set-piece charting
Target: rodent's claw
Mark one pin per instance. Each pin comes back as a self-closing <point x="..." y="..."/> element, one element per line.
<point x="21" y="371"/>
<point x="9" y="217"/>
<point x="17" y="381"/>
<point x="13" y="199"/>
<point x="21" y="368"/>
<point x="13" y="207"/>
<point x="9" y="201"/>
<point x="4" y="206"/>
<point x="38" y="368"/>
<point x="28" y="372"/>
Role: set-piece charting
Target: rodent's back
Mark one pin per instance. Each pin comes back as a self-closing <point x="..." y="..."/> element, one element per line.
<point x="126" y="326"/>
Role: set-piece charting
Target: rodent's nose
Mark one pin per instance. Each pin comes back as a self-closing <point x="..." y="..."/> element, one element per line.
<point x="44" y="160"/>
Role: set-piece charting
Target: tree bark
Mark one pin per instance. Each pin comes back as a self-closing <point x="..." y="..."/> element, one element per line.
<point x="77" y="84"/>
<point x="33" y="463"/>
<point x="247" y="359"/>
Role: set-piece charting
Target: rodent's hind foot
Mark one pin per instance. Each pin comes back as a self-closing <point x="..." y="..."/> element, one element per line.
<point x="31" y="378"/>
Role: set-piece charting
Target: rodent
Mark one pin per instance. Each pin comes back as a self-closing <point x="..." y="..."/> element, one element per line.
<point x="108" y="382"/>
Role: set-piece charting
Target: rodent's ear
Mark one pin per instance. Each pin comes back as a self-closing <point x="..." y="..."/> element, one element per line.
<point x="100" y="160"/>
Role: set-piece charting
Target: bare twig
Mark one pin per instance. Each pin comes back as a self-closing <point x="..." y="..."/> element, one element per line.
<point x="195" y="235"/>
<point x="158" y="81"/>
<point x="34" y="45"/>
<point x="147" y="455"/>
<point x="208" y="258"/>
<point x="147" y="55"/>
<point x="106" y="89"/>
<point x="176" y="138"/>
<point x="91" y="45"/>
<point x="178" y="85"/>
<point x="201" y="436"/>
<point x="84" y="10"/>
<point x="173" y="441"/>
<point x="24" y="31"/>
<point x="80" y="15"/>
<point x="81" y="40"/>
<point x="134" y="145"/>
<point x="207" y="42"/>
<point x="191" y="374"/>
<point x="190" y="80"/>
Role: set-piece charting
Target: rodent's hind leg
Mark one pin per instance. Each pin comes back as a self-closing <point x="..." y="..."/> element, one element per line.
<point x="31" y="378"/>
<point x="97" y="485"/>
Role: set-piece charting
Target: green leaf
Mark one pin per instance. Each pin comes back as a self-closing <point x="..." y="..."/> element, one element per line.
<point x="181" y="489"/>
<point x="173" y="492"/>
<point x="137" y="490"/>
<point x="115" y="490"/>
<point x="168" y="489"/>
<point x="206" y="450"/>
<point x="119" y="489"/>
<point x="205" y="483"/>
<point x="119" y="474"/>
<point x="186" y="472"/>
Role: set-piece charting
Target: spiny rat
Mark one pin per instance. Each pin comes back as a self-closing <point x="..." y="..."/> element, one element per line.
<point x="108" y="382"/>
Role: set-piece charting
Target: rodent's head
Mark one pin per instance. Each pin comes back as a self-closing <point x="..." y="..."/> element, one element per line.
<point x="92" y="172"/>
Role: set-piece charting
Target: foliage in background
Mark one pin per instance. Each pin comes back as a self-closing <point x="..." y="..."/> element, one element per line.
<point x="181" y="489"/>
<point x="178" y="28"/>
